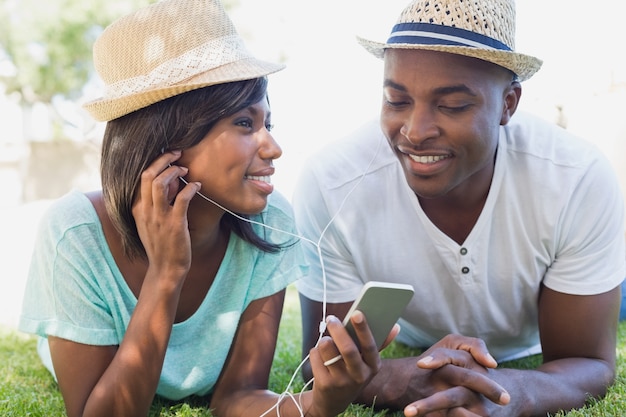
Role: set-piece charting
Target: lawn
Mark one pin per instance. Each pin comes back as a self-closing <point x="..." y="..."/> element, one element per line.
<point x="26" y="388"/>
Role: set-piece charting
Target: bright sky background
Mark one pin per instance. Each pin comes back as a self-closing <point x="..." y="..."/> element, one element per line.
<point x="331" y="85"/>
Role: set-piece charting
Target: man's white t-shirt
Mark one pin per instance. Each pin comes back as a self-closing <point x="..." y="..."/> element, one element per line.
<point x="554" y="215"/>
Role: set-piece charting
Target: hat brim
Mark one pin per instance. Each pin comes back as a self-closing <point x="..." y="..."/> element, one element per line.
<point x="106" y="108"/>
<point x="524" y="66"/>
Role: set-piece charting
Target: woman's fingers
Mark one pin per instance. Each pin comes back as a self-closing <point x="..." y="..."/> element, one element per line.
<point x="160" y="212"/>
<point x="395" y="330"/>
<point x="328" y="351"/>
<point x="164" y="178"/>
<point x="367" y="344"/>
<point x="160" y="187"/>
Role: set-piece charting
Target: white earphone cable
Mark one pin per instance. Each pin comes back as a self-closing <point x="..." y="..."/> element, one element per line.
<point x="322" y="324"/>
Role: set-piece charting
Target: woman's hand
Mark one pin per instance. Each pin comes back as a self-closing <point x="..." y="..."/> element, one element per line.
<point x="160" y="212"/>
<point x="338" y="382"/>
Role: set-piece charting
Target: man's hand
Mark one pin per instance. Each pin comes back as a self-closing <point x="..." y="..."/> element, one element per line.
<point x="459" y="379"/>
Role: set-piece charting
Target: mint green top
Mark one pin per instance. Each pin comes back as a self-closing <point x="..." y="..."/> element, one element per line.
<point x="75" y="291"/>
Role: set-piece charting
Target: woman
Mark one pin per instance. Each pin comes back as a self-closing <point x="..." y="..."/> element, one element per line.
<point x="159" y="284"/>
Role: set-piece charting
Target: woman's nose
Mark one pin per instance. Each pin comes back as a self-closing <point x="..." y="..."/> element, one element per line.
<point x="270" y="149"/>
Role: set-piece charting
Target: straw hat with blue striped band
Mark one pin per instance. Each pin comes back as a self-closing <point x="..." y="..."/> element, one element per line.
<point x="483" y="29"/>
<point x="166" y="49"/>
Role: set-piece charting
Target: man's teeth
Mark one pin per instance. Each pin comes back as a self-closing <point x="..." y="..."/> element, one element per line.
<point x="265" y="178"/>
<point x="428" y="159"/>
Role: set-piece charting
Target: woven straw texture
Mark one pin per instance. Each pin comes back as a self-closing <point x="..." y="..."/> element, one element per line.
<point x="165" y="49"/>
<point x="492" y="18"/>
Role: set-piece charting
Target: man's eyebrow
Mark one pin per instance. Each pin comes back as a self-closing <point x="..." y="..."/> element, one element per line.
<point x="440" y="91"/>
<point x="459" y="88"/>
<point x="394" y="85"/>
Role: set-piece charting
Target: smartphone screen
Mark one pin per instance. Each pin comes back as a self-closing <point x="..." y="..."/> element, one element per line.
<point x="382" y="303"/>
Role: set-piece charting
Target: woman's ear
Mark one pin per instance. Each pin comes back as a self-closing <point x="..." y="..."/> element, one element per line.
<point x="511" y="100"/>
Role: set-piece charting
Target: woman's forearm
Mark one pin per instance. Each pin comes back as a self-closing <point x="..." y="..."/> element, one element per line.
<point x="129" y="384"/>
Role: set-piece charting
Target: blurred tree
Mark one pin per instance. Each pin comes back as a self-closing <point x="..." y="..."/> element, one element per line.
<point x="48" y="43"/>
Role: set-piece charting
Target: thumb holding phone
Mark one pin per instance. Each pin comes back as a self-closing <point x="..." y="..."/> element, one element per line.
<point x="344" y="361"/>
<point x="337" y="383"/>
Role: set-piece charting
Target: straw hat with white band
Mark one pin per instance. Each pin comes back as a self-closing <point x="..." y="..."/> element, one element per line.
<point x="166" y="49"/>
<point x="483" y="29"/>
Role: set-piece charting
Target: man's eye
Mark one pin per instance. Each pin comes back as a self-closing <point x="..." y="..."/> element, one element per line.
<point x="455" y="109"/>
<point x="391" y="103"/>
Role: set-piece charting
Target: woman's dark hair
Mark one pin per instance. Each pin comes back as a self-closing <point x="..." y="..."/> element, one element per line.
<point x="132" y="142"/>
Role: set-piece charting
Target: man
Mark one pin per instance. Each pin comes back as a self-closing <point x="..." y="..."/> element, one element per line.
<point x="510" y="229"/>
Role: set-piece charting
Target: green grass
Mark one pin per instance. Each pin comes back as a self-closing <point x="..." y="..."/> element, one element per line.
<point x="27" y="389"/>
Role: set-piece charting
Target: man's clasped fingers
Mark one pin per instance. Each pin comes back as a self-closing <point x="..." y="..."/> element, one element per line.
<point x="453" y="342"/>
<point x="477" y="382"/>
<point x="453" y="402"/>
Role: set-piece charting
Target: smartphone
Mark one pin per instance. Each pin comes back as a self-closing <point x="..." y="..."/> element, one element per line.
<point x="382" y="303"/>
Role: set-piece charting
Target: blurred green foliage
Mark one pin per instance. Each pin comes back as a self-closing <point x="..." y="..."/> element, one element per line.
<point x="45" y="46"/>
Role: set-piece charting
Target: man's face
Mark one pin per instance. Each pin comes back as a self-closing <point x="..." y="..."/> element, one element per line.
<point x="441" y="115"/>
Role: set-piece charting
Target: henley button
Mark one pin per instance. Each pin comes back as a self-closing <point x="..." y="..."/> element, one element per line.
<point x="463" y="251"/>
<point x="465" y="270"/>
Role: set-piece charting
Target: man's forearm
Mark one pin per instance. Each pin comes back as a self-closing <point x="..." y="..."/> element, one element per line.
<point x="562" y="384"/>
<point x="558" y="385"/>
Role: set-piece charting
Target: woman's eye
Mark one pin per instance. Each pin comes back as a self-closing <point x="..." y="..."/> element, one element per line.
<point x="269" y="127"/>
<point x="247" y="123"/>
